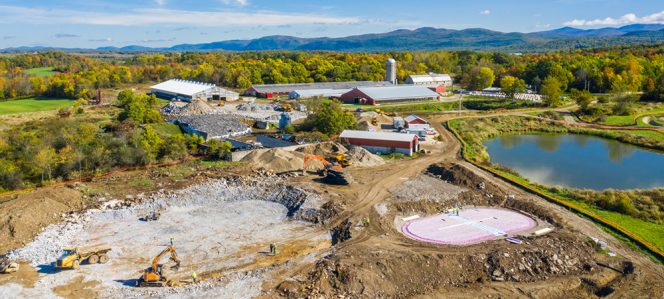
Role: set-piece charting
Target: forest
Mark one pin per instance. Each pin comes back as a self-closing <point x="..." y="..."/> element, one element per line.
<point x="77" y="76"/>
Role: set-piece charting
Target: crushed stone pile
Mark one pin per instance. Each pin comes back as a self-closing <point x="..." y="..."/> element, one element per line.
<point x="363" y="158"/>
<point x="174" y="108"/>
<point x="280" y="161"/>
<point x="323" y="149"/>
<point x="197" y="107"/>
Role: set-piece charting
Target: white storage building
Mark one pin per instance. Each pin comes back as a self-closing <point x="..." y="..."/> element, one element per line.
<point x="188" y="90"/>
<point x="430" y="80"/>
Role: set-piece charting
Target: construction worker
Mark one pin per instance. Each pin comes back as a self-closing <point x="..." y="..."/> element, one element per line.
<point x="171" y="241"/>
<point x="273" y="249"/>
<point x="193" y="276"/>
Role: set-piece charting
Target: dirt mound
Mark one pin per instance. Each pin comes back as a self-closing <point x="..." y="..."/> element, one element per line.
<point x="280" y="161"/>
<point x="174" y="108"/>
<point x="363" y="158"/>
<point x="197" y="107"/>
<point x="361" y="271"/>
<point x="324" y="149"/>
<point x="22" y="218"/>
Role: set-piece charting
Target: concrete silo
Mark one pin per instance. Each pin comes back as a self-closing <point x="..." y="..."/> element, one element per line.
<point x="391" y="71"/>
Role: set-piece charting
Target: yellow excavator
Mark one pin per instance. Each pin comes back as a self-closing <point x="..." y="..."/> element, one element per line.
<point x="343" y="160"/>
<point x="154" y="276"/>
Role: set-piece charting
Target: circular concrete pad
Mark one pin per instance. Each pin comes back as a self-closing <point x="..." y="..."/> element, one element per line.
<point x="471" y="226"/>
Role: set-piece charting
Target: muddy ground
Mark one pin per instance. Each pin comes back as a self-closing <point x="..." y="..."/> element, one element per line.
<point x="333" y="241"/>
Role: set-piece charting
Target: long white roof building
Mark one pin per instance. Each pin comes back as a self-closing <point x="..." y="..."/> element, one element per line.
<point x="430" y="80"/>
<point x="187" y="90"/>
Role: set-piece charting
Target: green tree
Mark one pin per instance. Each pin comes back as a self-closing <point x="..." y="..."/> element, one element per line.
<point x="481" y="78"/>
<point x="218" y="149"/>
<point x="330" y="118"/>
<point x="151" y="143"/>
<point x="551" y="91"/>
<point x="583" y="98"/>
<point x="511" y="85"/>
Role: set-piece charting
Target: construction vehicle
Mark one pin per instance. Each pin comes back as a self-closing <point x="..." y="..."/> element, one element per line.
<point x="343" y="160"/>
<point x="153" y="276"/>
<point x="332" y="172"/>
<point x="72" y="257"/>
<point x="7" y="266"/>
<point x="374" y="121"/>
<point x="326" y="164"/>
<point x="378" y="111"/>
<point x="152" y="216"/>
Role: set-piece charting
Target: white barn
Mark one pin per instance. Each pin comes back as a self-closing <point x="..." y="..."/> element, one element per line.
<point x="430" y="80"/>
<point x="188" y="90"/>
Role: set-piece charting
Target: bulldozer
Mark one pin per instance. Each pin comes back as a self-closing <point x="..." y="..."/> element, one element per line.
<point x="332" y="172"/>
<point x="153" y="276"/>
<point x="73" y="257"/>
<point x="7" y="266"/>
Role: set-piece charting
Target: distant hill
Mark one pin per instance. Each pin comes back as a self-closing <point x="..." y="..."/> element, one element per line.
<point x="427" y="38"/>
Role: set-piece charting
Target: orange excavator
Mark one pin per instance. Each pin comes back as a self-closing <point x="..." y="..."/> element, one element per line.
<point x="154" y="276"/>
<point x="325" y="162"/>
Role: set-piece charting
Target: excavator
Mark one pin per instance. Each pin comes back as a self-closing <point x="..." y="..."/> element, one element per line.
<point x="332" y="172"/>
<point x="343" y="160"/>
<point x="154" y="276"/>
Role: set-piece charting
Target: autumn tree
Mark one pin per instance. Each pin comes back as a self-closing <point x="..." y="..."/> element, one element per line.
<point x="551" y="91"/>
<point x="511" y="85"/>
<point x="481" y="78"/>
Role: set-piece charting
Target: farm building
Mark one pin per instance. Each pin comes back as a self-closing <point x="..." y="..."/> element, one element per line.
<point x="213" y="126"/>
<point x="416" y="123"/>
<point x="382" y="142"/>
<point x="377" y="95"/>
<point x="430" y="80"/>
<point x="271" y="90"/>
<point x="311" y="93"/>
<point x="188" y="90"/>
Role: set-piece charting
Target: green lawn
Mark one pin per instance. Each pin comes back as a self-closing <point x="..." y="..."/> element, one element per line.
<point x="645" y="133"/>
<point x="33" y="105"/>
<point x="41" y="71"/>
<point x="166" y="129"/>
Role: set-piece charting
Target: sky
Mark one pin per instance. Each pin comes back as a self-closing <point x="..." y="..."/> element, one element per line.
<point x="160" y="23"/>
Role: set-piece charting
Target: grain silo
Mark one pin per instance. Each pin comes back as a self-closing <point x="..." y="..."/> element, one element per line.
<point x="391" y="71"/>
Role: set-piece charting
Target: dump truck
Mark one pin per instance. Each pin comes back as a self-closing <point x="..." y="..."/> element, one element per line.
<point x="153" y="276"/>
<point x="73" y="257"/>
<point x="7" y="266"/>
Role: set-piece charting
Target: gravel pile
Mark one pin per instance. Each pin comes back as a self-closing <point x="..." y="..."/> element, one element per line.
<point x="425" y="187"/>
<point x="363" y="158"/>
<point x="215" y="125"/>
<point x="174" y="108"/>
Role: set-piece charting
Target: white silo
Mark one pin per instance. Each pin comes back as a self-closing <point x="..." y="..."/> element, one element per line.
<point x="391" y="71"/>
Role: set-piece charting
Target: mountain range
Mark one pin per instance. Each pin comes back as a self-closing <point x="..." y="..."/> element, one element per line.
<point x="422" y="39"/>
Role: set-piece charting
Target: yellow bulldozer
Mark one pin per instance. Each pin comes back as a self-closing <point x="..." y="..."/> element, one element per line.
<point x="153" y="276"/>
<point x="72" y="257"/>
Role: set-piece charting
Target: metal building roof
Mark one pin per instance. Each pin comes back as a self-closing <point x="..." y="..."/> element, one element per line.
<point x="413" y="117"/>
<point x="398" y="92"/>
<point x="183" y="87"/>
<point x="430" y="78"/>
<point x="286" y="88"/>
<point x="389" y="136"/>
<point x="305" y="93"/>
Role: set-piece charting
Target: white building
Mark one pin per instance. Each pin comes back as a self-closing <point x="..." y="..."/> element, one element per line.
<point x="187" y="90"/>
<point x="430" y="80"/>
<point x="312" y="93"/>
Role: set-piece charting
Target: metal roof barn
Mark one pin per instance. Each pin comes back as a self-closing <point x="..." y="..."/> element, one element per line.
<point x="382" y="142"/>
<point x="430" y="80"/>
<point x="263" y="90"/>
<point x="401" y="93"/>
<point x="187" y="90"/>
<point x="310" y="93"/>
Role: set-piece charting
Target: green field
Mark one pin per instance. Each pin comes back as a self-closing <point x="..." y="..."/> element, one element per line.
<point x="33" y="105"/>
<point x="165" y="129"/>
<point x="41" y="71"/>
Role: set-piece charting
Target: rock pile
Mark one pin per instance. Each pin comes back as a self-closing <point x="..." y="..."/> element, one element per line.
<point x="363" y="158"/>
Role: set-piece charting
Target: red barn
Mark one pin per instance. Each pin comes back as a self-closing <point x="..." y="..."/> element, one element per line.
<point x="382" y="142"/>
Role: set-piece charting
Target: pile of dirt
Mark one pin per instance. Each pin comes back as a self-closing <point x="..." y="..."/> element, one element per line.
<point x="280" y="161"/>
<point x="361" y="271"/>
<point x="325" y="149"/>
<point x="197" y="107"/>
<point x="23" y="217"/>
<point x="363" y="158"/>
<point x="174" y="108"/>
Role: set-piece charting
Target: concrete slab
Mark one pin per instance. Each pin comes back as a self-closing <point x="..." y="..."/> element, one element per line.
<point x="471" y="226"/>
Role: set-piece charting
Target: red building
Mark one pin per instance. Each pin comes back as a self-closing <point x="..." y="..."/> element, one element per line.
<point x="388" y="94"/>
<point x="382" y="142"/>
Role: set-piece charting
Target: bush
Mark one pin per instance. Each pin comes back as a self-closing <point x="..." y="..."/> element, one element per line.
<point x="218" y="149"/>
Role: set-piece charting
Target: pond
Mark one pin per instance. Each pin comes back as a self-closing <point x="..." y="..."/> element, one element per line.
<point x="578" y="161"/>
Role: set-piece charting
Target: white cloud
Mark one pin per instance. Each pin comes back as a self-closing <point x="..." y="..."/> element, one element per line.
<point x="160" y="2"/>
<point x="236" y="2"/>
<point x="106" y="39"/>
<point x="141" y="17"/>
<point x="630" y="18"/>
<point x="485" y="12"/>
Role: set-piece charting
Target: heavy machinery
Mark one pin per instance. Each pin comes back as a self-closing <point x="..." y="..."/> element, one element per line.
<point x="151" y="216"/>
<point x="332" y="172"/>
<point x="343" y="160"/>
<point x="72" y="257"/>
<point x="7" y="266"/>
<point x="153" y="276"/>
<point x="374" y="121"/>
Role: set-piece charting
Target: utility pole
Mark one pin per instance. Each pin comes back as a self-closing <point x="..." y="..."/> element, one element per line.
<point x="460" y="98"/>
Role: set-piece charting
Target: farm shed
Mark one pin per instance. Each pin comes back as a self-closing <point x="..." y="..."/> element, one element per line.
<point x="382" y="142"/>
<point x="377" y="95"/>
<point x="188" y="90"/>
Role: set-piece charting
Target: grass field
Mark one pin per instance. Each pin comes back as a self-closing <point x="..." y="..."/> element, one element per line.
<point x="166" y="129"/>
<point x="33" y="105"/>
<point x="41" y="71"/>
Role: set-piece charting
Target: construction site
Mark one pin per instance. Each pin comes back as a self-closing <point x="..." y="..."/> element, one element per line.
<point x="313" y="221"/>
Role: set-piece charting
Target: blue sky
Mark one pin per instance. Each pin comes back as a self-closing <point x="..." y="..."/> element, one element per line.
<point x="156" y="23"/>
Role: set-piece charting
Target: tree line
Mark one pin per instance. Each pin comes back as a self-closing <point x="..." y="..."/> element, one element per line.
<point x="614" y="69"/>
